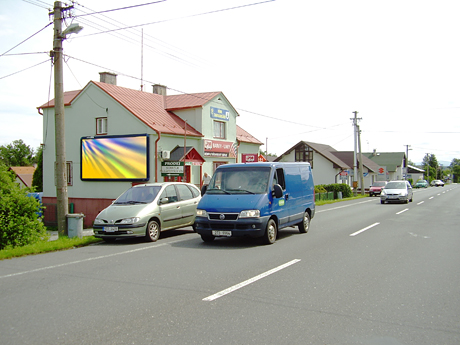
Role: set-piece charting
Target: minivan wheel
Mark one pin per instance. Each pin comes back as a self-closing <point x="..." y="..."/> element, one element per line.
<point x="271" y="232"/>
<point x="305" y="224"/>
<point x="153" y="231"/>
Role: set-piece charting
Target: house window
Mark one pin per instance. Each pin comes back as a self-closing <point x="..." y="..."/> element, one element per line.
<point x="304" y="153"/>
<point x="101" y="125"/>
<point x="219" y="130"/>
<point x="69" y="173"/>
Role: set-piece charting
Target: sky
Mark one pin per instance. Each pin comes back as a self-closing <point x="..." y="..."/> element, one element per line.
<point x="294" y="70"/>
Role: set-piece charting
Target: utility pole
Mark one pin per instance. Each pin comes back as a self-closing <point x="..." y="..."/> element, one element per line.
<point x="59" y="119"/>
<point x="407" y="160"/>
<point x="355" y="169"/>
<point x="361" y="174"/>
<point x="59" y="122"/>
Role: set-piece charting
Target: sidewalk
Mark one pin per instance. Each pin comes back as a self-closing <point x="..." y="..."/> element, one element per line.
<point x="54" y="234"/>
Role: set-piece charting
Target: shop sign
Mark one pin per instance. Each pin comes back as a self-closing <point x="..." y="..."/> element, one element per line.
<point x="214" y="148"/>
<point x="249" y="157"/>
<point x="220" y="114"/>
<point x="172" y="168"/>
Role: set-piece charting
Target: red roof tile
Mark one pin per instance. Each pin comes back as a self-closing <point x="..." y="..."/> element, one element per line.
<point x="25" y="174"/>
<point x="242" y="135"/>
<point x="68" y="98"/>
<point x="149" y="108"/>
<point x="191" y="100"/>
<point x="156" y="110"/>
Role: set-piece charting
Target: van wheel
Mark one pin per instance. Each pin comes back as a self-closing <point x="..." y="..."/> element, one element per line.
<point x="207" y="238"/>
<point x="305" y="224"/>
<point x="152" y="233"/>
<point x="271" y="232"/>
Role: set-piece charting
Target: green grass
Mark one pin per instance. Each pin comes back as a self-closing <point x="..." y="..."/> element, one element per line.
<point x="62" y="243"/>
<point x="327" y="202"/>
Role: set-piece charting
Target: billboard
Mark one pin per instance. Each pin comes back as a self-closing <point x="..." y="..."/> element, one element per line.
<point x="115" y="158"/>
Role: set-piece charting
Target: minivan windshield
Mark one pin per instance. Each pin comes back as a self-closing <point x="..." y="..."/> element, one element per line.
<point x="138" y="195"/>
<point x="379" y="184"/>
<point x="250" y="180"/>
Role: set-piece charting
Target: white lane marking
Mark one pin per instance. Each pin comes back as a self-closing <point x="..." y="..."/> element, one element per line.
<point x="406" y="209"/>
<point x="85" y="260"/>
<point x="249" y="281"/>
<point x="336" y="208"/>
<point x="421" y="202"/>
<point x="430" y="197"/>
<point x="362" y="230"/>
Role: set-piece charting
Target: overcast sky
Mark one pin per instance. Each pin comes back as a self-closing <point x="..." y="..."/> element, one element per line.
<point x="293" y="69"/>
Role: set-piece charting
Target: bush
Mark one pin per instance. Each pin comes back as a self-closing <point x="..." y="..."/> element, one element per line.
<point x="19" y="222"/>
<point x="336" y="187"/>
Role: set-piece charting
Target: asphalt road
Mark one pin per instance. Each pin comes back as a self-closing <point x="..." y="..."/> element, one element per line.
<point x="365" y="273"/>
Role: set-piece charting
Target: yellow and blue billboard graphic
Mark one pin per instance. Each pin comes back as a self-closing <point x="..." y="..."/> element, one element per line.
<point x="115" y="158"/>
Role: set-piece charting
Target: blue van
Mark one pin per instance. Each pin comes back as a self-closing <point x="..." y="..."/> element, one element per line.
<point x="256" y="200"/>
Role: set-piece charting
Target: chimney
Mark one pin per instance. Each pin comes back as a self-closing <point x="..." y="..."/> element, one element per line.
<point x="108" y="78"/>
<point x="159" y="89"/>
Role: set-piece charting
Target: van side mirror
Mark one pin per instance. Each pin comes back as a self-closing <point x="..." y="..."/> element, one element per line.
<point x="277" y="191"/>
<point x="204" y="189"/>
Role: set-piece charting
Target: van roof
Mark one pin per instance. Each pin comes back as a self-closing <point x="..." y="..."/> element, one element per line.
<point x="261" y="164"/>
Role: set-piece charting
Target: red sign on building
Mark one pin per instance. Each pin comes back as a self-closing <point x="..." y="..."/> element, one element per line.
<point x="214" y="148"/>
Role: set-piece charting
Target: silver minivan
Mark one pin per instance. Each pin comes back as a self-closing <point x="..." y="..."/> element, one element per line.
<point x="397" y="191"/>
<point x="147" y="209"/>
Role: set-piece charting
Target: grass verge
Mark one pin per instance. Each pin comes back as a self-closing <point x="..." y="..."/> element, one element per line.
<point x="62" y="243"/>
<point x="327" y="202"/>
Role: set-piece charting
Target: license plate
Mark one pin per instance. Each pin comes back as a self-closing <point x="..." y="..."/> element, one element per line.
<point x="110" y="228"/>
<point x="221" y="233"/>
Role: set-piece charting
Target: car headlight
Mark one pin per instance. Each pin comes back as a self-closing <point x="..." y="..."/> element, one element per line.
<point x="99" y="221"/>
<point x="383" y="193"/>
<point x="201" y="213"/>
<point x="250" y="214"/>
<point x="129" y="220"/>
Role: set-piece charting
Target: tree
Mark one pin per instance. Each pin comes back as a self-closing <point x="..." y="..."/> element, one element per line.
<point x="17" y="154"/>
<point x="19" y="221"/>
<point x="37" y="181"/>
<point x="430" y="164"/>
<point x="455" y="167"/>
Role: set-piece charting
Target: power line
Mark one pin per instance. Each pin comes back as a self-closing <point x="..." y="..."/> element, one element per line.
<point x="118" y="9"/>
<point x="17" y="45"/>
<point x="172" y="19"/>
<point x="25" y="69"/>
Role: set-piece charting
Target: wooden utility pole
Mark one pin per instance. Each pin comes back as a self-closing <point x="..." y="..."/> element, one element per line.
<point x="355" y="169"/>
<point x="361" y="174"/>
<point x="59" y="122"/>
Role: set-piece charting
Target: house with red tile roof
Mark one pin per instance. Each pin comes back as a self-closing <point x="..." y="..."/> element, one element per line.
<point x="24" y="175"/>
<point x="116" y="137"/>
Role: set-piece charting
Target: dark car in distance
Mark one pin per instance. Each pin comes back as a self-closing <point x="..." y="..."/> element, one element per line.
<point x="421" y="184"/>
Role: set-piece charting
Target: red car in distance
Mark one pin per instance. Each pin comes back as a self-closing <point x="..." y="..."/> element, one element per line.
<point x="377" y="187"/>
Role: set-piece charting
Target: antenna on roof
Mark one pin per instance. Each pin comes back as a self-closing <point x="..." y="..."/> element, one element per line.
<point x="142" y="60"/>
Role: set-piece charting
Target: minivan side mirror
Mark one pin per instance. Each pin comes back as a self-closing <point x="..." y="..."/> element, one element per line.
<point x="204" y="189"/>
<point x="277" y="191"/>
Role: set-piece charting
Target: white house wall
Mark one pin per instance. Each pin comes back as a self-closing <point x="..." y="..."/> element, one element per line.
<point x="322" y="169"/>
<point x="80" y="121"/>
